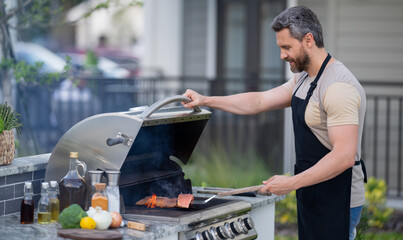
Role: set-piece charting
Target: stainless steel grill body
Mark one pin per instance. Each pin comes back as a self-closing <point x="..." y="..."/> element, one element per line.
<point x="147" y="148"/>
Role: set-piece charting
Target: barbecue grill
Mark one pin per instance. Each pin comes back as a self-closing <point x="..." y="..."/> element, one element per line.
<point x="147" y="147"/>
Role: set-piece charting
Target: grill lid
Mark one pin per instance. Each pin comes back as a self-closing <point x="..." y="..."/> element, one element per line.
<point x="110" y="140"/>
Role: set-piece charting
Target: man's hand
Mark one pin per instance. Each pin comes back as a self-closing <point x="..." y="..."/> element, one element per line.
<point x="196" y="99"/>
<point x="279" y="185"/>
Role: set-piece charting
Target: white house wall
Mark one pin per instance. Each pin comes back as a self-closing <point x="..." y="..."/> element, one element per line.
<point x="194" y="37"/>
<point x="366" y="35"/>
<point x="163" y="37"/>
<point x="120" y="24"/>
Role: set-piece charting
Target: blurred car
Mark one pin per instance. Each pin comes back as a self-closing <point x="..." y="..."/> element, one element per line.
<point x="124" y="59"/>
<point x="105" y="67"/>
<point x="55" y="63"/>
<point x="32" y="53"/>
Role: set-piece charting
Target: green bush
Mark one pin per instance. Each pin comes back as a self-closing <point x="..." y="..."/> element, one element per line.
<point x="9" y="119"/>
<point x="286" y="209"/>
<point x="375" y="195"/>
<point x="375" y="213"/>
<point x="218" y="167"/>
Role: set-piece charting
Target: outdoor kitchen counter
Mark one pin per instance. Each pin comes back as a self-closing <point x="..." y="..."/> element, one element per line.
<point x="32" y="168"/>
<point x="11" y="229"/>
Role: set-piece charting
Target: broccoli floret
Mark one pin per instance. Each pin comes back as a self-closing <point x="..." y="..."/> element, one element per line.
<point x="71" y="216"/>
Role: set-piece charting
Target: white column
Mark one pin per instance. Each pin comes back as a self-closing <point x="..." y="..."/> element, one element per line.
<point x="163" y="36"/>
<point x="211" y="39"/>
<point x="263" y="218"/>
<point x="289" y="148"/>
<point x="329" y="38"/>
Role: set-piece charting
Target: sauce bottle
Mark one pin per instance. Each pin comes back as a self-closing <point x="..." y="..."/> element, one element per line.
<point x="54" y="201"/>
<point x="27" y="205"/>
<point x="44" y="216"/>
<point x="99" y="198"/>
<point x="95" y="177"/>
<point x="73" y="188"/>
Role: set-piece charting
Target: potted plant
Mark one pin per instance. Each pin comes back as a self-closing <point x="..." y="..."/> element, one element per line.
<point x="9" y="120"/>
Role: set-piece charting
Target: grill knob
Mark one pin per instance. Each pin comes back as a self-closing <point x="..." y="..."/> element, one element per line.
<point x="235" y="228"/>
<point x="214" y="234"/>
<point x="228" y="231"/>
<point x="199" y="236"/>
<point x="248" y="223"/>
<point x="242" y="226"/>
<point x="207" y="235"/>
<point x="221" y="232"/>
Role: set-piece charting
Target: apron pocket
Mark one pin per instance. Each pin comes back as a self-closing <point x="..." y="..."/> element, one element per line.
<point x="307" y="196"/>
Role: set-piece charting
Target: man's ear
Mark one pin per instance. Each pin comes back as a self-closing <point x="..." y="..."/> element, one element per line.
<point x="309" y="40"/>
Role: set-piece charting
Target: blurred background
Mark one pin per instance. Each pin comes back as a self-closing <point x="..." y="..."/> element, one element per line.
<point x="128" y="53"/>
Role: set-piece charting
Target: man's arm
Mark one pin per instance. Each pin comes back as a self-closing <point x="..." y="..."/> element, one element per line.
<point x="344" y="140"/>
<point x="243" y="103"/>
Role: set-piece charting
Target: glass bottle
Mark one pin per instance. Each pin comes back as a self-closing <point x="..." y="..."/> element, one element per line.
<point x="112" y="191"/>
<point x="44" y="216"/>
<point x="95" y="177"/>
<point x="99" y="198"/>
<point x="73" y="188"/>
<point x="27" y="205"/>
<point x="54" y="201"/>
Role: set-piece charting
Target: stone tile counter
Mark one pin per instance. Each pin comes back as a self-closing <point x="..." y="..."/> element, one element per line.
<point x="13" y="176"/>
<point x="11" y="229"/>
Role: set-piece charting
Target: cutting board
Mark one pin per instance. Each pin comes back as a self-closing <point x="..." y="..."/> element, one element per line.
<point x="87" y="234"/>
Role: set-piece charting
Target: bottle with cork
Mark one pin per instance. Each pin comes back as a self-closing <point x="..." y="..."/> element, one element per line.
<point x="27" y="205"/>
<point x="54" y="201"/>
<point x="44" y="216"/>
<point x="73" y="188"/>
<point x="99" y="198"/>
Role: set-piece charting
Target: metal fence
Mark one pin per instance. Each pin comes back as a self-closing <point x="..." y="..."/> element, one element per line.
<point x="382" y="140"/>
<point x="49" y="111"/>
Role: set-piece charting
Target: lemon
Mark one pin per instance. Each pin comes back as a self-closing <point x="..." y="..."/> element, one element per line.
<point x="87" y="223"/>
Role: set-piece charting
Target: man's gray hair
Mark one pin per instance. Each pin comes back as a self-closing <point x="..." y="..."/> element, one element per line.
<point x="299" y="20"/>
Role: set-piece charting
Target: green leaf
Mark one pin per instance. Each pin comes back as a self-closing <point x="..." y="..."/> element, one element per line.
<point x="9" y="119"/>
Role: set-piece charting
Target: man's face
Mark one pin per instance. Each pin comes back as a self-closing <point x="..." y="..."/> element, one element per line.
<point x="292" y="51"/>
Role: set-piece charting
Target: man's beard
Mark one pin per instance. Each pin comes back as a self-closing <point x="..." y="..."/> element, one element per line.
<point x="300" y="63"/>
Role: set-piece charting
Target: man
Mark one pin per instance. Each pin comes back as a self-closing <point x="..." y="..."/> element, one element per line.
<point x="328" y="107"/>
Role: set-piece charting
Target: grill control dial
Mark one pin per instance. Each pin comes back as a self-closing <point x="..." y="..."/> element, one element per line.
<point x="246" y="224"/>
<point x="214" y="234"/>
<point x="229" y="230"/>
<point x="221" y="232"/>
<point x="198" y="236"/>
<point x="207" y="235"/>
<point x="238" y="227"/>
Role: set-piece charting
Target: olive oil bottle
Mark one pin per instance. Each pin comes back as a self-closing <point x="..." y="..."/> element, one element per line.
<point x="44" y="216"/>
<point x="73" y="188"/>
<point x="54" y="201"/>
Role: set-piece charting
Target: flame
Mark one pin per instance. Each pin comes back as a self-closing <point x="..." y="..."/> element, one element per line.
<point x="152" y="201"/>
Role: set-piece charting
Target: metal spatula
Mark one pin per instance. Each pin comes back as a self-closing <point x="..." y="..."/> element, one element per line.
<point x="230" y="193"/>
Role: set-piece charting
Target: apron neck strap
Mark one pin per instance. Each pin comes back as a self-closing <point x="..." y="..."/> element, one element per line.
<point x="315" y="82"/>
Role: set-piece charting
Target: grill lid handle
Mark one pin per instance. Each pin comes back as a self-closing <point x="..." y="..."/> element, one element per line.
<point x="165" y="101"/>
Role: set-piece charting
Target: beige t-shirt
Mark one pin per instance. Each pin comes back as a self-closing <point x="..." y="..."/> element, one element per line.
<point x="339" y="99"/>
